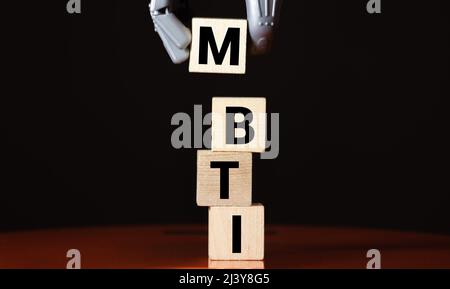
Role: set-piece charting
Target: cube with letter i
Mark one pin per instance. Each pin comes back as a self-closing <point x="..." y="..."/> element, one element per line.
<point x="236" y="233"/>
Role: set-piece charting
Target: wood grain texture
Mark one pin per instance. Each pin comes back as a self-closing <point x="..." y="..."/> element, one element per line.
<point x="257" y="105"/>
<point x="220" y="233"/>
<point x="220" y="28"/>
<point x="244" y="264"/>
<point x="208" y="179"/>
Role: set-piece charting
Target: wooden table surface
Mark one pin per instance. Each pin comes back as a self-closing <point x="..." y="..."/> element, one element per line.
<point x="185" y="246"/>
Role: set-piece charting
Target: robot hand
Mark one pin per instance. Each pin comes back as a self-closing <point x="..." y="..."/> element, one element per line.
<point x="262" y="18"/>
<point x="175" y="36"/>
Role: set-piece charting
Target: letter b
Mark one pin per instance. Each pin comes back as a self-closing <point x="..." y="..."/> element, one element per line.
<point x="239" y="124"/>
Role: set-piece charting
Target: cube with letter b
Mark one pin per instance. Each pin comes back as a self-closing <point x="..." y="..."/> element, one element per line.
<point x="238" y="124"/>
<point x="218" y="45"/>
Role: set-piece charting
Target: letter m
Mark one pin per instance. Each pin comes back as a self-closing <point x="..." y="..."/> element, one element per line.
<point x="231" y="41"/>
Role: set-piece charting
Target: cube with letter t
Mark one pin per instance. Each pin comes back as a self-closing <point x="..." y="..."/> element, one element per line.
<point x="224" y="178"/>
<point x="218" y="45"/>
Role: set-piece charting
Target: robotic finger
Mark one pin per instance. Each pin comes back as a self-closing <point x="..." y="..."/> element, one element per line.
<point x="175" y="36"/>
<point x="262" y="18"/>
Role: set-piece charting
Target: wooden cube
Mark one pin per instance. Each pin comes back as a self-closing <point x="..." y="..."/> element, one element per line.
<point x="218" y="45"/>
<point x="238" y="124"/>
<point x="224" y="178"/>
<point x="235" y="264"/>
<point x="236" y="233"/>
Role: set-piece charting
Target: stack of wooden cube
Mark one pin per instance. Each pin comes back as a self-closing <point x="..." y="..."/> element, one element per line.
<point x="224" y="179"/>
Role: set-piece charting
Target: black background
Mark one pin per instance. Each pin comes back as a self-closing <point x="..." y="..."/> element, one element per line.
<point x="87" y="101"/>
